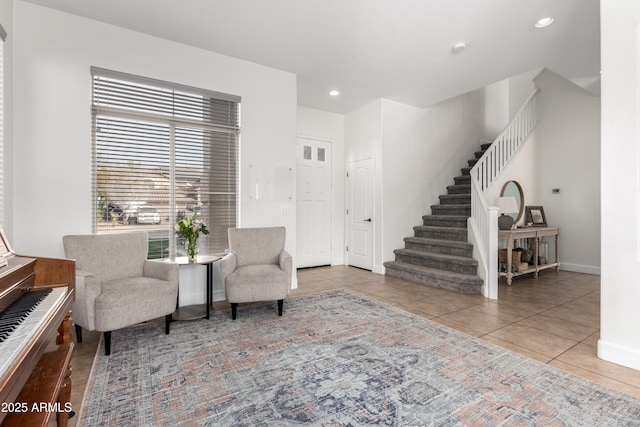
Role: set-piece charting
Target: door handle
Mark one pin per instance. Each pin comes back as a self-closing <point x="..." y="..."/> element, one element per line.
<point x="367" y="220"/>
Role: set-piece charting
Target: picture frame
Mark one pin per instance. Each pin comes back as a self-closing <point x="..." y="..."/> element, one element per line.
<point x="536" y="216"/>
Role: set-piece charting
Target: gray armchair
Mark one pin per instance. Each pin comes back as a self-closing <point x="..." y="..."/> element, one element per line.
<point x="258" y="268"/>
<point x="116" y="286"/>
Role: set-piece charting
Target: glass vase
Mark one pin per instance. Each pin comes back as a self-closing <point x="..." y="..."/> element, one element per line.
<point x="192" y="249"/>
<point x="543" y="251"/>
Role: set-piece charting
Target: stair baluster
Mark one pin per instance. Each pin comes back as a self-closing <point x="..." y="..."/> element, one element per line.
<point x="483" y="230"/>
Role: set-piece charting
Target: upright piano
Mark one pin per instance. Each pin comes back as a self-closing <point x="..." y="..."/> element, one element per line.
<point x="36" y="295"/>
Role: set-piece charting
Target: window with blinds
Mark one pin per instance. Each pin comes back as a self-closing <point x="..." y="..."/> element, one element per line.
<point x="163" y="151"/>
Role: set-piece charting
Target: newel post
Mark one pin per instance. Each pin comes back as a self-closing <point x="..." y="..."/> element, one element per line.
<point x="492" y="256"/>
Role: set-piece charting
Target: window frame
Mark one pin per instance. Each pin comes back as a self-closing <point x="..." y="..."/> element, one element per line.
<point x="215" y="124"/>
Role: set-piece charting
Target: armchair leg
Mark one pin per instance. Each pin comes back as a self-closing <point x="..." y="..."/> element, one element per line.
<point x="234" y="310"/>
<point x="78" y="333"/>
<point x="280" y="304"/>
<point x="107" y="343"/>
<point x="167" y="323"/>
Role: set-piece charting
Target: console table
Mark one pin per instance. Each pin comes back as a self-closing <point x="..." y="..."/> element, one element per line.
<point x="529" y="233"/>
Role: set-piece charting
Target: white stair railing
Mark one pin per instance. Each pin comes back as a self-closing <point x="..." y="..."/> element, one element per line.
<point x="483" y="224"/>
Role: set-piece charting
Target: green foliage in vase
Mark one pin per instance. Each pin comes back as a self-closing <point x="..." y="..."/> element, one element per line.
<point x="190" y="228"/>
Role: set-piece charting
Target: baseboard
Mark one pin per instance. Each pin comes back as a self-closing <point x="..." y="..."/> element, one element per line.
<point x="577" y="268"/>
<point x="621" y="355"/>
<point x="338" y="261"/>
<point x="379" y="269"/>
<point x="218" y="295"/>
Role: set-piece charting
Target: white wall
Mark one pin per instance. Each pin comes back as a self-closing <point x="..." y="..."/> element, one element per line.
<point x="423" y="150"/>
<point x="325" y="126"/>
<point x="569" y="159"/>
<point x="52" y="119"/>
<point x="363" y="132"/>
<point x="619" y="333"/>
<point x="408" y="152"/>
<point x="6" y="19"/>
<point x="520" y="87"/>
<point x="52" y="159"/>
<point x="496" y="111"/>
<point x="504" y="99"/>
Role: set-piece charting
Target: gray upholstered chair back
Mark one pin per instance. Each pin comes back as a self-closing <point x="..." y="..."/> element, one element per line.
<point x="257" y="245"/>
<point x="109" y="256"/>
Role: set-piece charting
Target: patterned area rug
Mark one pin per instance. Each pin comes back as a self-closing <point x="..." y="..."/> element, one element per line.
<point x="335" y="359"/>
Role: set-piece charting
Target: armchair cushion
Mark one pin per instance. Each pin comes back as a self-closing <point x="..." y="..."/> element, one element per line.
<point x="259" y="282"/>
<point x="133" y="300"/>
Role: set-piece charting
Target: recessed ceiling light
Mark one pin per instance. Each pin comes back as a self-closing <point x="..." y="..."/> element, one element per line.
<point x="544" y="22"/>
<point x="459" y="47"/>
<point x="334" y="93"/>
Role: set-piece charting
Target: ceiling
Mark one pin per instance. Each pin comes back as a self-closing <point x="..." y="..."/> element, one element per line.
<point x="369" y="49"/>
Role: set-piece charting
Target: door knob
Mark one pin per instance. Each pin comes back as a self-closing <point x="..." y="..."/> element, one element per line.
<point x="367" y="220"/>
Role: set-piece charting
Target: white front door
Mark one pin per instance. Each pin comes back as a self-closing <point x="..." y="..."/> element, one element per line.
<point x="360" y="178"/>
<point x="313" y="202"/>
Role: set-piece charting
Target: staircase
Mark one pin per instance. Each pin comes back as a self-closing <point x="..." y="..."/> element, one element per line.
<point x="438" y="254"/>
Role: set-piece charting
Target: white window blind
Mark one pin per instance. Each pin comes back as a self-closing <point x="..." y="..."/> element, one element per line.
<point x="163" y="151"/>
<point x="3" y="36"/>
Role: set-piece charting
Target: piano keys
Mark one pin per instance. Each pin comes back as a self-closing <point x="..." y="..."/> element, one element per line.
<point x="36" y="296"/>
<point x="37" y="317"/>
<point x="13" y="317"/>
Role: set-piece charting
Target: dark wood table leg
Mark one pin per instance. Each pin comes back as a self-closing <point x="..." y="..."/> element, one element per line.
<point x="209" y="287"/>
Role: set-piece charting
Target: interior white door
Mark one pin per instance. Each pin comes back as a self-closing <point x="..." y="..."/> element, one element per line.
<point x="360" y="178"/>
<point x="313" y="202"/>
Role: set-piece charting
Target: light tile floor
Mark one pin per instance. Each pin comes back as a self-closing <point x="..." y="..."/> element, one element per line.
<point x="554" y="319"/>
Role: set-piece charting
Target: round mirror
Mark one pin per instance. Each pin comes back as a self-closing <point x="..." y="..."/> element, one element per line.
<point x="512" y="188"/>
